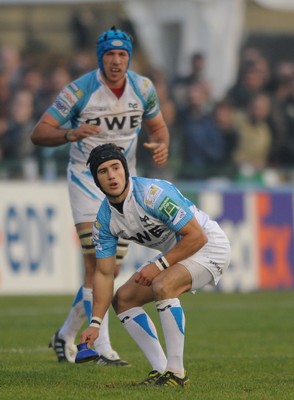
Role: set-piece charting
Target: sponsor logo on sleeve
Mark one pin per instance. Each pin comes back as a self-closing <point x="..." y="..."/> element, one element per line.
<point x="70" y="98"/>
<point x="96" y="236"/>
<point x="152" y="195"/>
<point x="179" y="216"/>
<point x="172" y="210"/>
<point x="78" y="92"/>
<point x="168" y="207"/>
<point x="61" y="107"/>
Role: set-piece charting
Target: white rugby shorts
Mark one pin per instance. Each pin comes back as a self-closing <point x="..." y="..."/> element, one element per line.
<point x="84" y="196"/>
<point x="215" y="256"/>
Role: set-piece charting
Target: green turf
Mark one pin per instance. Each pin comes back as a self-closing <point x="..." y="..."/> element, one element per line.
<point x="238" y="346"/>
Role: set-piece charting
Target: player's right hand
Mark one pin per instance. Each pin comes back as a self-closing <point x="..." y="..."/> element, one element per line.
<point x="89" y="335"/>
<point x="82" y="132"/>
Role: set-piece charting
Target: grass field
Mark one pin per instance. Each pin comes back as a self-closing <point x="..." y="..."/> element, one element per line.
<point x="238" y="346"/>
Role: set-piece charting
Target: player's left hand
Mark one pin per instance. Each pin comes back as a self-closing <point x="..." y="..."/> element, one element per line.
<point x="89" y="335"/>
<point x="159" y="152"/>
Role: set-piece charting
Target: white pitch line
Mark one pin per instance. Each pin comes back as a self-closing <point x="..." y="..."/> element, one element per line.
<point x="20" y="350"/>
<point x="33" y="311"/>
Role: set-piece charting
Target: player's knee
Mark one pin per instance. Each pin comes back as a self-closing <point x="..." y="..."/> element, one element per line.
<point x="160" y="289"/>
<point x="121" y="301"/>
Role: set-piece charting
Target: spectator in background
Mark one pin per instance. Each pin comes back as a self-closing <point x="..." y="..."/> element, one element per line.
<point x="53" y="160"/>
<point x="57" y="79"/>
<point x="5" y="94"/>
<point x="209" y="138"/>
<point x="223" y="119"/>
<point x="164" y="96"/>
<point x="252" y="81"/>
<point x="3" y="130"/>
<point x="18" y="149"/>
<point x="196" y="75"/>
<point x="10" y="62"/>
<point x="253" y="57"/>
<point x="287" y="149"/>
<point x="83" y="24"/>
<point x="197" y="70"/>
<point x="253" y="78"/>
<point x="33" y="81"/>
<point x="280" y="91"/>
<point x="255" y="140"/>
<point x="168" y="110"/>
<point x="80" y="63"/>
<point x="201" y="146"/>
<point x="284" y="70"/>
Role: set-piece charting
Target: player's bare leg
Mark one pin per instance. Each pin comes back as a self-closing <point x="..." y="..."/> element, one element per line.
<point x="63" y="340"/>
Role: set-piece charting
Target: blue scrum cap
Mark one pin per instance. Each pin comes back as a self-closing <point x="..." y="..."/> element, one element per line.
<point x="113" y="39"/>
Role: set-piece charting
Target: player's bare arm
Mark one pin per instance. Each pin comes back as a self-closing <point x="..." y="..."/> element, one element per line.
<point x="159" y="139"/>
<point x="102" y="295"/>
<point x="193" y="239"/>
<point x="47" y="132"/>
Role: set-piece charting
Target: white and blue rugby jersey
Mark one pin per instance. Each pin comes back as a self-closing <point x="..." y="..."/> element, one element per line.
<point x="153" y="213"/>
<point x="89" y="100"/>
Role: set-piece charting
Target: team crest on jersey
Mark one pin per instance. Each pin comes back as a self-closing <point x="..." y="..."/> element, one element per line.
<point x="169" y="208"/>
<point x="152" y="195"/>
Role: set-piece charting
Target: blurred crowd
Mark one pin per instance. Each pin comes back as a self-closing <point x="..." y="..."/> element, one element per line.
<point x="246" y="136"/>
<point x="28" y="85"/>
